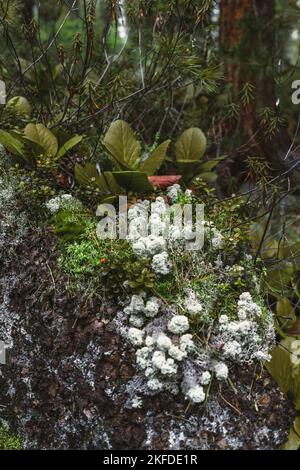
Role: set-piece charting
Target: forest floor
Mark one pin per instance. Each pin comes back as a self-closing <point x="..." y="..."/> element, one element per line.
<point x="70" y="380"/>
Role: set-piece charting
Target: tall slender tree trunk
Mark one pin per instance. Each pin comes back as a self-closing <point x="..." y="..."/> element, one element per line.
<point x="248" y="45"/>
<point x="28" y="10"/>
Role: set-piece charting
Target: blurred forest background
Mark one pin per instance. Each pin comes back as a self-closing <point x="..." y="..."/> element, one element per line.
<point x="225" y="66"/>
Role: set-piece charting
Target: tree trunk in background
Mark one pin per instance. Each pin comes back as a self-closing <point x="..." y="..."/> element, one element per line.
<point x="28" y="10"/>
<point x="248" y="47"/>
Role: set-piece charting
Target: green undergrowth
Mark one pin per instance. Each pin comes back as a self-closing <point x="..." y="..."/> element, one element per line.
<point x="9" y="441"/>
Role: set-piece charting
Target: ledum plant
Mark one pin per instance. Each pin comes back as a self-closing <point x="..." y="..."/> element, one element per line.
<point x="36" y="144"/>
<point x="131" y="168"/>
<point x="190" y="148"/>
<point x="134" y="169"/>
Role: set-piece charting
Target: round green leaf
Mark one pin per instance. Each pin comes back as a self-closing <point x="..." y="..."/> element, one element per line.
<point x="20" y="105"/>
<point x="41" y="136"/>
<point x="121" y="143"/>
<point x="191" y="145"/>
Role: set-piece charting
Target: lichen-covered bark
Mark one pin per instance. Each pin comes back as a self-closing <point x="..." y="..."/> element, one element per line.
<point x="70" y="377"/>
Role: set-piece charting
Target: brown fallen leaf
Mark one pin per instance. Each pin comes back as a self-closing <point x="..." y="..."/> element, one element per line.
<point x="164" y="181"/>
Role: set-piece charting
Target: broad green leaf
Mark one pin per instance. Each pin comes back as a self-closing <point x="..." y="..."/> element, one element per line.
<point x="269" y="249"/>
<point x="293" y="442"/>
<point x="210" y="165"/>
<point x="109" y="200"/>
<point x="256" y="233"/>
<point x="285" y="367"/>
<point x="285" y="313"/>
<point x="295" y="360"/>
<point x="278" y="279"/>
<point x="191" y="169"/>
<point x="291" y="252"/>
<point x="41" y="136"/>
<point x="135" y="181"/>
<point x="110" y="182"/>
<point x="12" y="144"/>
<point x="155" y="159"/>
<point x="89" y="177"/>
<point x="208" y="177"/>
<point x="294" y="328"/>
<point x="86" y="175"/>
<point x="101" y="184"/>
<point x="68" y="145"/>
<point x="284" y="308"/>
<point x="297" y="427"/>
<point x="106" y="184"/>
<point x="20" y="105"/>
<point x="69" y="232"/>
<point x="191" y="145"/>
<point x="280" y="366"/>
<point x="188" y="168"/>
<point x="122" y="145"/>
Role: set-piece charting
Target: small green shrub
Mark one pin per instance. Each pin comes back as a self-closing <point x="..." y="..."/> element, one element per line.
<point x="37" y="145"/>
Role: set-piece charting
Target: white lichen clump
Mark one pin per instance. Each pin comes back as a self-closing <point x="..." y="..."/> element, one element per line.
<point x="59" y="202"/>
<point x="161" y="263"/>
<point x="250" y="337"/>
<point x="159" y="354"/>
<point x="196" y="394"/>
<point x="205" y="378"/>
<point x="164" y="342"/>
<point x="153" y="232"/>
<point x="247" y="309"/>
<point x="214" y="235"/>
<point x="135" y="336"/>
<point x="140" y="309"/>
<point x="137" y="402"/>
<point x="168" y="357"/>
<point x="178" y="325"/>
<point x="163" y="351"/>
<point x="186" y="343"/>
<point x="221" y="371"/>
<point x="147" y="235"/>
<point x="173" y="192"/>
<point x="192" y="304"/>
<point x="149" y="246"/>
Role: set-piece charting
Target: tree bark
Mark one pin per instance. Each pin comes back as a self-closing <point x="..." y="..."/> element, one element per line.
<point x="248" y="46"/>
<point x="28" y="10"/>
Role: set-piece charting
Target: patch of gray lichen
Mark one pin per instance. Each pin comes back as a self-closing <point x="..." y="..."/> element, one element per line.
<point x="13" y="222"/>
